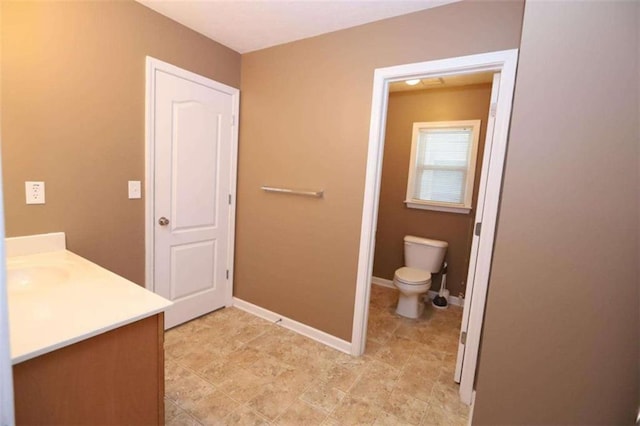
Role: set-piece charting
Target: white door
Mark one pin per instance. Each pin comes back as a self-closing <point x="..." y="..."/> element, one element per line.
<point x="193" y="142"/>
<point x="472" y="277"/>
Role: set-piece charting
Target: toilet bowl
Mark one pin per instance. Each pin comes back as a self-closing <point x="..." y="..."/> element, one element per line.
<point x="423" y="257"/>
<point x="412" y="284"/>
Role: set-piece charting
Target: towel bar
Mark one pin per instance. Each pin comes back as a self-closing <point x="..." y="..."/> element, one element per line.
<point x="317" y="194"/>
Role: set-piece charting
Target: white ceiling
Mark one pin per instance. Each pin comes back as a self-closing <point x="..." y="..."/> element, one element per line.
<point x="248" y="25"/>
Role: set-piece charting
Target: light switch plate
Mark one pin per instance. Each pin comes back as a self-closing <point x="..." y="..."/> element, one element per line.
<point x="135" y="190"/>
<point x="34" y="192"/>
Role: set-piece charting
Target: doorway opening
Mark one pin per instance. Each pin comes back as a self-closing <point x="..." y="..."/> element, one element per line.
<point x="502" y="67"/>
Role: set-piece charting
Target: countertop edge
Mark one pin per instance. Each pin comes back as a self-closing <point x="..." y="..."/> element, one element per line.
<point x="45" y="350"/>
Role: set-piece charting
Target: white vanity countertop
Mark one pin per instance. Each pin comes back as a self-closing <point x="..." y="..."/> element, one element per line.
<point x="58" y="298"/>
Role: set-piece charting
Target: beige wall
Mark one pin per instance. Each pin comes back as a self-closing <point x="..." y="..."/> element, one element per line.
<point x="73" y="116"/>
<point x="305" y="114"/>
<point x="560" y="343"/>
<point x="395" y="220"/>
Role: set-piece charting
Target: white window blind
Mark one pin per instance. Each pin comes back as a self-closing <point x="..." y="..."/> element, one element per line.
<point x="443" y="163"/>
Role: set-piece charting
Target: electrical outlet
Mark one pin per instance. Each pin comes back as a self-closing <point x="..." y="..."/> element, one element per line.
<point x="134" y="189"/>
<point x="34" y="192"/>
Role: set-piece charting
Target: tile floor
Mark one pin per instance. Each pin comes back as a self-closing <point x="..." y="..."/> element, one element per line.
<point x="232" y="368"/>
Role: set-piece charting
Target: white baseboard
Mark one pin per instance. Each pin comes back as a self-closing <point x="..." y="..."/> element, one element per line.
<point x="298" y="327"/>
<point x="382" y="282"/>
<point x="453" y="300"/>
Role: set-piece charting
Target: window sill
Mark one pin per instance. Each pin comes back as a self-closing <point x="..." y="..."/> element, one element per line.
<point x="437" y="207"/>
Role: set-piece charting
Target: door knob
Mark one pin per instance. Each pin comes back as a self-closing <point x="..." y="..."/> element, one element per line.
<point x="163" y="221"/>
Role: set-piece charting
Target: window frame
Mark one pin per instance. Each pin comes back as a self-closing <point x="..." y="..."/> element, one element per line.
<point x="466" y="206"/>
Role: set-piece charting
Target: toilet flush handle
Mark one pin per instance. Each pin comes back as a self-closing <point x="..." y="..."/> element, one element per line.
<point x="163" y="221"/>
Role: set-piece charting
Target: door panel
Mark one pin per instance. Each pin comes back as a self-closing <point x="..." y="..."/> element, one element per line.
<point x="192" y="271"/>
<point x="473" y="258"/>
<point x="192" y="143"/>
<point x="194" y="164"/>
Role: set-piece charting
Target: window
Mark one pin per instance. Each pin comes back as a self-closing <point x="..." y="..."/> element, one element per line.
<point x="442" y="167"/>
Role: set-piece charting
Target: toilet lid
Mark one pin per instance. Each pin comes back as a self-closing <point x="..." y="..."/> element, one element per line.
<point x="412" y="275"/>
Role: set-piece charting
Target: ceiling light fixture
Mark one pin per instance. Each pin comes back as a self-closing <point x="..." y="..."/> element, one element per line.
<point x="413" y="82"/>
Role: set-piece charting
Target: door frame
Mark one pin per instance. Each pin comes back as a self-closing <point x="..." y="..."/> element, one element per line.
<point x="7" y="416"/>
<point x="505" y="62"/>
<point x="152" y="65"/>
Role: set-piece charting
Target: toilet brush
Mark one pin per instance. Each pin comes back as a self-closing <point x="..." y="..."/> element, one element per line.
<point x="440" y="301"/>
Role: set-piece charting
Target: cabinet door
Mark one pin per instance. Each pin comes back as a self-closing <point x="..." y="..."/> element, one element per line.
<point x="114" y="378"/>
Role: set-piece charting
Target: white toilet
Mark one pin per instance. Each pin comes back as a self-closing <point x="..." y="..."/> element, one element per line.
<point x="422" y="257"/>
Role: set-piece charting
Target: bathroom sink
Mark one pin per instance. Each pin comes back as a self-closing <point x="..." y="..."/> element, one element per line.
<point x="25" y="278"/>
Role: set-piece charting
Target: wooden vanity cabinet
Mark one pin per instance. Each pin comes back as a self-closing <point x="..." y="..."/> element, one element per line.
<point x="115" y="378"/>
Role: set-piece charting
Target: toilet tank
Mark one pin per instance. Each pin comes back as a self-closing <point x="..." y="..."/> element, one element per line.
<point x="424" y="253"/>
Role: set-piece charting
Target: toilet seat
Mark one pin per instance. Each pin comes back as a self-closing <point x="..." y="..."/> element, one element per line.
<point x="412" y="276"/>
